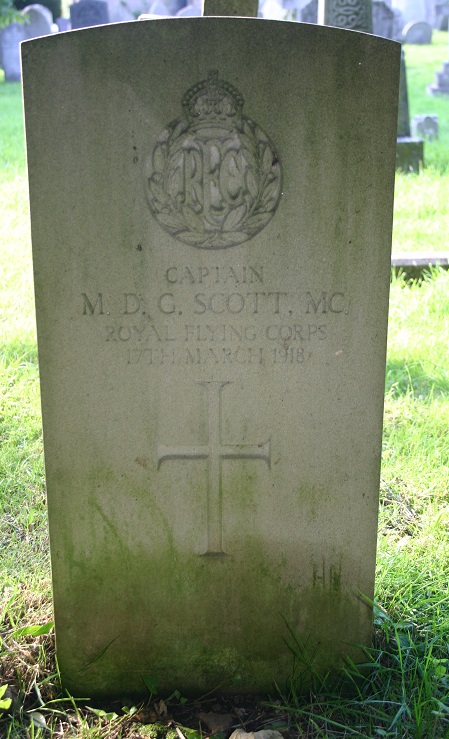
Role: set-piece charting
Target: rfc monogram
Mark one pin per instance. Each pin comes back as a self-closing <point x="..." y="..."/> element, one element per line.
<point x="213" y="179"/>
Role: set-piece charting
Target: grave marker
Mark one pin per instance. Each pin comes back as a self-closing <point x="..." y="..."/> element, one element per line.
<point x="86" y="13"/>
<point x="10" y="39"/>
<point x="212" y="269"/>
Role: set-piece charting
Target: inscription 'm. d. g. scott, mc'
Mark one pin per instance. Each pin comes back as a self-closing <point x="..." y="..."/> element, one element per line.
<point x="213" y="179"/>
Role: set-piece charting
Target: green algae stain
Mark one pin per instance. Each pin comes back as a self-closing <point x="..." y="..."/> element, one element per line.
<point x="194" y="622"/>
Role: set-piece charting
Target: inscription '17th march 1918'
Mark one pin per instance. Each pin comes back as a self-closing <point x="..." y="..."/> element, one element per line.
<point x="213" y="179"/>
<point x="215" y="451"/>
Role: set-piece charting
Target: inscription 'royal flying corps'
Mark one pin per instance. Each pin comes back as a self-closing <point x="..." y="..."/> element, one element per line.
<point x="213" y="179"/>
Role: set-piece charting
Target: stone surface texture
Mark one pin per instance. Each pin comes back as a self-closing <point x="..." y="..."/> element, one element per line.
<point x="211" y="207"/>
<point x="231" y="7"/>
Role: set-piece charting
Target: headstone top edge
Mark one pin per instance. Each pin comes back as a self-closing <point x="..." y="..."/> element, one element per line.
<point x="109" y="28"/>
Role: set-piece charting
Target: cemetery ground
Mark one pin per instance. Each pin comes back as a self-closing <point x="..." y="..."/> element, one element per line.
<point x="403" y="690"/>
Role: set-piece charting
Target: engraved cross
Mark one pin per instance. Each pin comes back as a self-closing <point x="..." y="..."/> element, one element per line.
<point x="215" y="451"/>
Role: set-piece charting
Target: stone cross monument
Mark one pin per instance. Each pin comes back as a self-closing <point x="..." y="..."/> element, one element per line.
<point x="353" y="14"/>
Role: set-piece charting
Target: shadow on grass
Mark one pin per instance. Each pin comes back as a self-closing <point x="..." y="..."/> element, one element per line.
<point x="416" y="379"/>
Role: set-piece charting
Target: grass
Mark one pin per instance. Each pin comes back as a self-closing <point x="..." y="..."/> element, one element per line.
<point x="404" y="690"/>
<point x="421" y="215"/>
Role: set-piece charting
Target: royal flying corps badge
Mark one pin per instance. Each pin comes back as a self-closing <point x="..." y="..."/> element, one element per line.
<point x="213" y="179"/>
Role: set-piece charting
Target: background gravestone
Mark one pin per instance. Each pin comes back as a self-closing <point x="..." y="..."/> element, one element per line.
<point x="10" y="38"/>
<point x="383" y="19"/>
<point x="353" y="14"/>
<point x="409" y="150"/>
<point x="417" y="32"/>
<point x="38" y="20"/>
<point x="425" y="126"/>
<point x="87" y="13"/>
<point x="441" y="16"/>
<point x="441" y="84"/>
<point x="212" y="269"/>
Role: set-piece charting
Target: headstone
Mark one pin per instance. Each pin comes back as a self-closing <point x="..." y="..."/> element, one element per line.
<point x="38" y="20"/>
<point x="211" y="270"/>
<point x="425" y="126"/>
<point x="10" y="38"/>
<point x="383" y="19"/>
<point x="352" y="14"/>
<point x="409" y="150"/>
<point x="441" y="16"/>
<point x="417" y="32"/>
<point x="87" y="13"/>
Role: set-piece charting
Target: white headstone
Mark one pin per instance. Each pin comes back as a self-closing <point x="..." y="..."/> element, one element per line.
<point x="211" y="207"/>
<point x="38" y="21"/>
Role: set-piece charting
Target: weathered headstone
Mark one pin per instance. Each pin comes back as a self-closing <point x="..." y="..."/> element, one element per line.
<point x="211" y="270"/>
<point x="10" y="39"/>
<point x="417" y="32"/>
<point x="87" y="13"/>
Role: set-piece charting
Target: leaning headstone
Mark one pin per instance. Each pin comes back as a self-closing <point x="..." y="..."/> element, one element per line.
<point x="10" y="39"/>
<point x="212" y="269"/>
<point x="417" y="32"/>
<point x="425" y="127"/>
<point x="409" y="150"/>
<point x="87" y="13"/>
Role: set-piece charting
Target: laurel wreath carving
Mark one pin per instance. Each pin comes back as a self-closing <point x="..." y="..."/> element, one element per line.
<point x="200" y="229"/>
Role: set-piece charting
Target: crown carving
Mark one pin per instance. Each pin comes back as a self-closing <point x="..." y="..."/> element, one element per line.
<point x="213" y="102"/>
